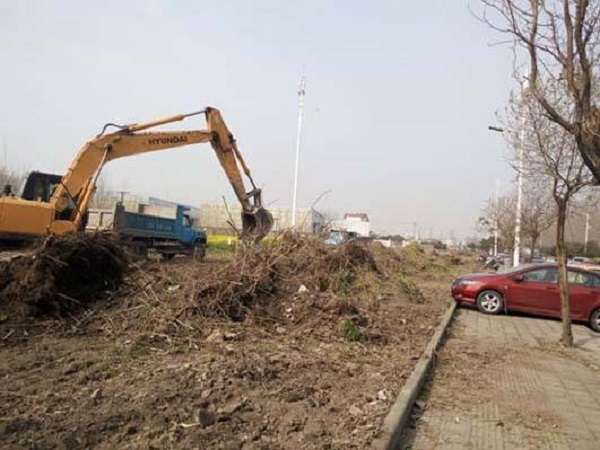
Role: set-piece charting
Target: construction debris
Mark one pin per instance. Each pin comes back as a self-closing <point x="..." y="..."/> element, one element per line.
<point x="62" y="274"/>
<point x="260" y="277"/>
<point x="224" y="354"/>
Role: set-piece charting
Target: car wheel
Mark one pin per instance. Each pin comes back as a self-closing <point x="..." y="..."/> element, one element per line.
<point x="490" y="302"/>
<point x="595" y="320"/>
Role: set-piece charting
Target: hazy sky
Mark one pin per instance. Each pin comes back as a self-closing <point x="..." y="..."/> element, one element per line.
<point x="399" y="97"/>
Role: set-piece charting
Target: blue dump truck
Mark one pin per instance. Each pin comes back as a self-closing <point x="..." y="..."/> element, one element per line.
<point x="167" y="236"/>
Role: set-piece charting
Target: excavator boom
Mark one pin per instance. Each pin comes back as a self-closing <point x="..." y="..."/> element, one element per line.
<point x="71" y="198"/>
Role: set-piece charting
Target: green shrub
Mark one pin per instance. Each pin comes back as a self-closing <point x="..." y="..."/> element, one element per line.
<point x="350" y="331"/>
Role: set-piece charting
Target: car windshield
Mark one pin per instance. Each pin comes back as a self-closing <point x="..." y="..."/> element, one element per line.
<point x="505" y="270"/>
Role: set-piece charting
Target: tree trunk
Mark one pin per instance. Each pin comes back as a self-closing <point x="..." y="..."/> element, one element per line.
<point x="534" y="241"/>
<point x="561" y="257"/>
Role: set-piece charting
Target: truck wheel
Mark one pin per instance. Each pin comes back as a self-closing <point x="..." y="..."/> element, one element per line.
<point x="199" y="251"/>
<point x="139" y="250"/>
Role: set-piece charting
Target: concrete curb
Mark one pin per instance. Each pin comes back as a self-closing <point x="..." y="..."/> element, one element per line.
<point x="396" y="419"/>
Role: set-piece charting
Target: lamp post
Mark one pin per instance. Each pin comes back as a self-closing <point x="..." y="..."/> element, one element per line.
<point x="517" y="246"/>
<point x="301" y="93"/>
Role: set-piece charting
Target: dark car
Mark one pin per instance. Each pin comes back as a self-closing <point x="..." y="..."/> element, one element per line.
<point x="534" y="290"/>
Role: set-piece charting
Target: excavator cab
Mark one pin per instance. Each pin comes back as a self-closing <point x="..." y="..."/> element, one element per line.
<point x="39" y="186"/>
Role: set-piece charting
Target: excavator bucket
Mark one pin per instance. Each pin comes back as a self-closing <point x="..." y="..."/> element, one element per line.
<point x="256" y="225"/>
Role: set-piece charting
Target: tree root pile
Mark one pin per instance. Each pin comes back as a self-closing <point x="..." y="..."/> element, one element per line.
<point x="295" y="264"/>
<point x="63" y="273"/>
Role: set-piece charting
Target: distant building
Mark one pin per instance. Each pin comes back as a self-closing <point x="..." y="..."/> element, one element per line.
<point x="141" y="204"/>
<point x="390" y="241"/>
<point x="354" y="223"/>
<point x="574" y="229"/>
<point x="215" y="217"/>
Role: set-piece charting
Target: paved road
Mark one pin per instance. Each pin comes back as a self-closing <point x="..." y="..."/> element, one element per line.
<point x="503" y="383"/>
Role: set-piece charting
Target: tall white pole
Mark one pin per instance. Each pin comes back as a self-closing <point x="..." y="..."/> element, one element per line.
<point x="517" y="251"/>
<point x="587" y="233"/>
<point x="301" y="93"/>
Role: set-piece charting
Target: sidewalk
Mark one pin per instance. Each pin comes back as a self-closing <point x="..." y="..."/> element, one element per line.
<point x="501" y="382"/>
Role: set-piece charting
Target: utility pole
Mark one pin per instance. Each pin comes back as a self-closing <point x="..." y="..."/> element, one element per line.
<point x="517" y="250"/>
<point x="587" y="233"/>
<point x="122" y="193"/>
<point x="301" y="93"/>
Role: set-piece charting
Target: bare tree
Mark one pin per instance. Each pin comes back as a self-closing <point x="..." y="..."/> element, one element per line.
<point x="551" y="157"/>
<point x="537" y="214"/>
<point x="10" y="177"/>
<point x="499" y="216"/>
<point x="560" y="40"/>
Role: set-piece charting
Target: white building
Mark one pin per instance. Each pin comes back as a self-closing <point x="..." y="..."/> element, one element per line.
<point x="354" y="223"/>
<point x="215" y="217"/>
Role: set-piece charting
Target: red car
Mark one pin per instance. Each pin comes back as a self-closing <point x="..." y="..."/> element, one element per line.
<point x="533" y="290"/>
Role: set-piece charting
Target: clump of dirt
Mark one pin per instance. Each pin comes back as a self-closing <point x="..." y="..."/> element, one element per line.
<point x="261" y="276"/>
<point x="63" y="273"/>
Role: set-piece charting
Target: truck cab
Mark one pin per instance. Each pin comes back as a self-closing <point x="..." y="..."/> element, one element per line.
<point x="189" y="234"/>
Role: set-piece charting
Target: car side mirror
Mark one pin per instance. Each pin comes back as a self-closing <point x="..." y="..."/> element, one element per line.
<point x="518" y="278"/>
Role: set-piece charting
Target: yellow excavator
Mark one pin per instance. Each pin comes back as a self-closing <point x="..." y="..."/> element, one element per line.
<point x="58" y="205"/>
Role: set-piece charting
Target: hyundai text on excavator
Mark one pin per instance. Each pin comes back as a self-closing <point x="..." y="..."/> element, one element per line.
<point x="58" y="205"/>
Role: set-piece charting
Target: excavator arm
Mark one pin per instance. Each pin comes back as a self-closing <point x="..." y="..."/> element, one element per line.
<point x="78" y="185"/>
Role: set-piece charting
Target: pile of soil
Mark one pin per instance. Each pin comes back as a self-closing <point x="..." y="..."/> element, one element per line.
<point x="261" y="277"/>
<point x="62" y="274"/>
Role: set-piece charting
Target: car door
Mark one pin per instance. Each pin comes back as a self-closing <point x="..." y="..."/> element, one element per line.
<point x="582" y="293"/>
<point x="535" y="291"/>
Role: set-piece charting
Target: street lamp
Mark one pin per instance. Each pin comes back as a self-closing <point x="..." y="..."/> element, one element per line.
<point x="301" y="94"/>
<point x="517" y="249"/>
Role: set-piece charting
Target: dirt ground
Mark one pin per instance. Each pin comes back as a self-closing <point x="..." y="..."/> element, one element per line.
<point x="142" y="369"/>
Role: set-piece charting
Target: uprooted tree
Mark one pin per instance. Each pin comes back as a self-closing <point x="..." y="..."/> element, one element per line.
<point x="560" y="40"/>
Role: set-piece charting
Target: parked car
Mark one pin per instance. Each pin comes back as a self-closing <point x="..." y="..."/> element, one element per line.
<point x="534" y="290"/>
<point x="581" y="260"/>
<point x="538" y="259"/>
<point x="584" y="263"/>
